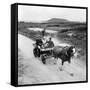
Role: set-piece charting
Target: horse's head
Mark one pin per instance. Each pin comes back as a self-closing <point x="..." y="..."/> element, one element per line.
<point x="71" y="51"/>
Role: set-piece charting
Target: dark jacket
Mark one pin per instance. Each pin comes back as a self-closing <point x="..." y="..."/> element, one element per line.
<point x="50" y="44"/>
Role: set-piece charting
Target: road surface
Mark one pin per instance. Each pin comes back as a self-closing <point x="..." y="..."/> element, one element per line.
<point x="32" y="71"/>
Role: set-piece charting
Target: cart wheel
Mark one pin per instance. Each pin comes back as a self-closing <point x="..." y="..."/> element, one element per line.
<point x="43" y="59"/>
<point x="36" y="52"/>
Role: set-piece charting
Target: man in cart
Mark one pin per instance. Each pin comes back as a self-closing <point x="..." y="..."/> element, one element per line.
<point x="43" y="32"/>
<point x="49" y="43"/>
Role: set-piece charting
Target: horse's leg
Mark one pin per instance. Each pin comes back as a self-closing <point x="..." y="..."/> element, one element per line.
<point x="69" y="61"/>
<point x="55" y="60"/>
<point x="71" y="72"/>
<point x="54" y="56"/>
<point x="62" y="62"/>
<point x="61" y="68"/>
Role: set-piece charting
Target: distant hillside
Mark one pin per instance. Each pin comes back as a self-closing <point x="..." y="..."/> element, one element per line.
<point x="53" y="23"/>
<point x="58" y="20"/>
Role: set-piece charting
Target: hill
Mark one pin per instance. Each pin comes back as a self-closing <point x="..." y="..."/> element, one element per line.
<point x="57" y="20"/>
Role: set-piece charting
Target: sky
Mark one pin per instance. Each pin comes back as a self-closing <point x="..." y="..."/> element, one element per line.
<point x="39" y="13"/>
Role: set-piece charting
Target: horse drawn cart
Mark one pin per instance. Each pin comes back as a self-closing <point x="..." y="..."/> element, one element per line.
<point x="47" y="49"/>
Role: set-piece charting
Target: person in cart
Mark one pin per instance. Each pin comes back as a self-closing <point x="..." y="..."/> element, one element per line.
<point x="49" y="44"/>
<point x="43" y="33"/>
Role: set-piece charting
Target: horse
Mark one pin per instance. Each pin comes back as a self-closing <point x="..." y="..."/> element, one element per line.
<point x="64" y="53"/>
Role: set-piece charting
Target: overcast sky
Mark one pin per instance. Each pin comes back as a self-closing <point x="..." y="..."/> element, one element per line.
<point x="39" y="14"/>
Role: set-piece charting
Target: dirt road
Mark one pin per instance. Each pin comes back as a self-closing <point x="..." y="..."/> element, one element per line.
<point x="32" y="71"/>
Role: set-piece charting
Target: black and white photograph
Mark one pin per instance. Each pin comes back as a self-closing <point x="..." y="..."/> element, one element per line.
<point x="52" y="44"/>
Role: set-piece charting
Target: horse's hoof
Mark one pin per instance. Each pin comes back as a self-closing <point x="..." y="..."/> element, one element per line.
<point x="72" y="74"/>
<point x="60" y="69"/>
<point x="44" y="63"/>
<point x="54" y="63"/>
